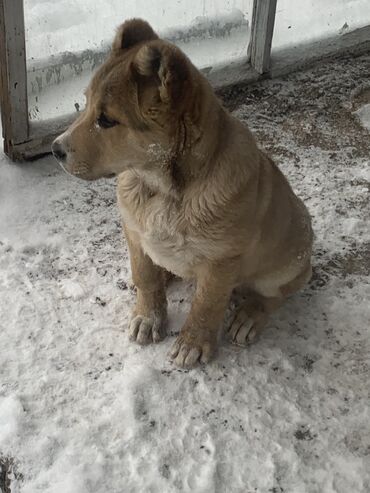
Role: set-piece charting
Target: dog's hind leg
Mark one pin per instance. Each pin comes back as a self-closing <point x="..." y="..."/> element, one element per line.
<point x="253" y="314"/>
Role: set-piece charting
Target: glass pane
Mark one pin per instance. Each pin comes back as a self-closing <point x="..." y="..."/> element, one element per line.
<point x="67" y="39"/>
<point x="308" y="20"/>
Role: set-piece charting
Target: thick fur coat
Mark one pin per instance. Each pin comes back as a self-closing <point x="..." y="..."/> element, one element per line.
<point x="198" y="198"/>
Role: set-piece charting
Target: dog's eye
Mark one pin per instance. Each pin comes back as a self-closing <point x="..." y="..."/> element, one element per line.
<point x="105" y="122"/>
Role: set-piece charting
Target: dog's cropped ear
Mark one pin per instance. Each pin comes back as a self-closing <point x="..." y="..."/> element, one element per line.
<point x="168" y="67"/>
<point x="132" y="32"/>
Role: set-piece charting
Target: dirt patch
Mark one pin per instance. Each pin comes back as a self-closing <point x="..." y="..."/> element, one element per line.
<point x="303" y="433"/>
<point x="8" y="470"/>
<point x="356" y="262"/>
<point x="360" y="97"/>
<point x="314" y="107"/>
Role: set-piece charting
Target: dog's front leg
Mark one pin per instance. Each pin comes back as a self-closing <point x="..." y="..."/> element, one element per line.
<point x="149" y="315"/>
<point x="197" y="341"/>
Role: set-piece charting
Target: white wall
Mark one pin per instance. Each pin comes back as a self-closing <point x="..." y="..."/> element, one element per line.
<point x="72" y="25"/>
<point x="299" y="21"/>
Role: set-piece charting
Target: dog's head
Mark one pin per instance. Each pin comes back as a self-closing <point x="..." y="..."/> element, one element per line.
<point x="134" y="104"/>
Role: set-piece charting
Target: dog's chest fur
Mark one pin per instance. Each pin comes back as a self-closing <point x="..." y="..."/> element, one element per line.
<point x="160" y="221"/>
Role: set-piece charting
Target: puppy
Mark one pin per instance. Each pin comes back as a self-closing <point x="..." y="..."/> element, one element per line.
<point x="198" y="198"/>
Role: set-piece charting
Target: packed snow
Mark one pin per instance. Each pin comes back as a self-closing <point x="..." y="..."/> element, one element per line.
<point x="363" y="113"/>
<point x="84" y="410"/>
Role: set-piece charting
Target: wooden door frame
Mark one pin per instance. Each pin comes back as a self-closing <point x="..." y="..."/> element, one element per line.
<point x="13" y="75"/>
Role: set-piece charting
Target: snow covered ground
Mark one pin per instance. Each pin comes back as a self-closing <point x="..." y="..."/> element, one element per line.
<point x="84" y="410"/>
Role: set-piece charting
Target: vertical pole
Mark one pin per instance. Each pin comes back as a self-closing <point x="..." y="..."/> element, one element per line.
<point x="13" y="74"/>
<point x="263" y="20"/>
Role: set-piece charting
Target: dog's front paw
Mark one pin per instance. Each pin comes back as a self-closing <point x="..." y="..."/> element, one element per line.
<point x="187" y="351"/>
<point x="147" y="329"/>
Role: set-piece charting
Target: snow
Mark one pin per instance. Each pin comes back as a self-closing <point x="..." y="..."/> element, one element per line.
<point x="363" y="114"/>
<point x="83" y="410"/>
<point x="10" y="414"/>
<point x="70" y="288"/>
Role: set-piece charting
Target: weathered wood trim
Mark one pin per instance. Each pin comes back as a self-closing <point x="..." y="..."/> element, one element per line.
<point x="13" y="89"/>
<point x="41" y="136"/>
<point x="263" y="20"/>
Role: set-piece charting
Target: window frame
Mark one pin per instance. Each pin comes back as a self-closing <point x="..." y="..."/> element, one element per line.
<point x="24" y="139"/>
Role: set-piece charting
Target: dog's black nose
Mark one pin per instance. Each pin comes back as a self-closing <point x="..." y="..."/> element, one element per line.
<point x="58" y="152"/>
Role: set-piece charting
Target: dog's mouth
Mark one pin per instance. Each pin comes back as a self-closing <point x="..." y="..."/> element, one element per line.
<point x="64" y="168"/>
<point x="82" y="171"/>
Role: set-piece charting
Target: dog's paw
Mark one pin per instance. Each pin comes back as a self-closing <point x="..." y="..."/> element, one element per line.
<point x="188" y="352"/>
<point x="243" y="329"/>
<point x="147" y="329"/>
